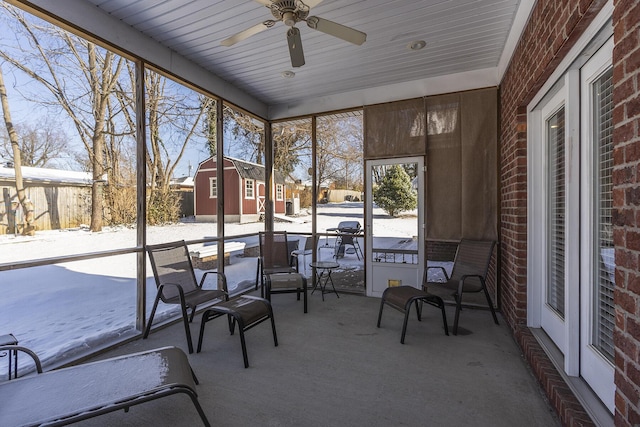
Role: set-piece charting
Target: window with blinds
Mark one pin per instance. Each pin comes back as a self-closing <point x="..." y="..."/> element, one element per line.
<point x="556" y="212"/>
<point x="604" y="318"/>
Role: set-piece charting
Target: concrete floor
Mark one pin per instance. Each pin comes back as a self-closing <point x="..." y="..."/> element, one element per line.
<point x="333" y="367"/>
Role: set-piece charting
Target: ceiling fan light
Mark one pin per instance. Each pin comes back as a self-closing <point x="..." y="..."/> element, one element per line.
<point x="416" y="45"/>
<point x="289" y="19"/>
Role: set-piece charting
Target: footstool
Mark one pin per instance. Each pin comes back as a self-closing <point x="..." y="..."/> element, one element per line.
<point x="246" y="311"/>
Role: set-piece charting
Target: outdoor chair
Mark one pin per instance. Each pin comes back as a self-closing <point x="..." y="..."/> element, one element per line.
<point x="347" y="235"/>
<point x="245" y="311"/>
<point x="177" y="284"/>
<point x="403" y="297"/>
<point x="469" y="274"/>
<point x="68" y="395"/>
<point x="277" y="274"/>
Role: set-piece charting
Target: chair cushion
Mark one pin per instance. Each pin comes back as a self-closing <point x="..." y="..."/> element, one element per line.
<point x="399" y="296"/>
<point x="285" y="280"/>
<point x="250" y="309"/>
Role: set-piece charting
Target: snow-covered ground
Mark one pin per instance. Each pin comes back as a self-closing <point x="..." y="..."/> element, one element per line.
<point x="67" y="309"/>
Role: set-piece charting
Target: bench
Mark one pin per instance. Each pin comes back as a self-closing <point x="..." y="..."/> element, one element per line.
<point x="80" y="392"/>
<point x="206" y="257"/>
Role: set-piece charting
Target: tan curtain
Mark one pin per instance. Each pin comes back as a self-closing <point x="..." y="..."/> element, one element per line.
<point x="462" y="136"/>
<point x="395" y="129"/>
<point x="459" y="135"/>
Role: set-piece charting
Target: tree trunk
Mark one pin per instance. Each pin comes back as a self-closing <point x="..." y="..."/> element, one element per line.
<point x="27" y="205"/>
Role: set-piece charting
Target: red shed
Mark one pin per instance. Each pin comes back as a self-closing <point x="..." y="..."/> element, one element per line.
<point x="244" y="191"/>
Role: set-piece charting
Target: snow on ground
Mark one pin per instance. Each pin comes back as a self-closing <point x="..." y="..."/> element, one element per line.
<point x="64" y="310"/>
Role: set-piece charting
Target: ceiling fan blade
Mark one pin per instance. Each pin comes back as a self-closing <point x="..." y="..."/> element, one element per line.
<point x="337" y="30"/>
<point x="295" y="47"/>
<point x="309" y="3"/>
<point x="230" y="41"/>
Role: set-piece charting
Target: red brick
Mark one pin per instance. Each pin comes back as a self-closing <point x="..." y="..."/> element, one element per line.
<point x="627" y="303"/>
<point x="633" y="240"/>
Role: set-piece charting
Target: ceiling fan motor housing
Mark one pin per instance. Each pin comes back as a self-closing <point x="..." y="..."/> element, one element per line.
<point x="289" y="11"/>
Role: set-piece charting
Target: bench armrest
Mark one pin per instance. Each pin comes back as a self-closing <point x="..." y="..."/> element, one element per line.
<point x="25" y="350"/>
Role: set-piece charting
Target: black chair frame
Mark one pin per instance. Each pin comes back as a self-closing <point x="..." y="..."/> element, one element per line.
<point x="260" y="311"/>
<point x="187" y="300"/>
<point x="405" y="297"/>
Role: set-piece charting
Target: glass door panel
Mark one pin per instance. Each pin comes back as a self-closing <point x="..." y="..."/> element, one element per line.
<point x="395" y="223"/>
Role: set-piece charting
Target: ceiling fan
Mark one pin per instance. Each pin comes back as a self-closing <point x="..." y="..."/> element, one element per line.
<point x="291" y="12"/>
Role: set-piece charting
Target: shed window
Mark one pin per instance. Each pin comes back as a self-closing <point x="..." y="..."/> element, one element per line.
<point x="213" y="187"/>
<point x="248" y="189"/>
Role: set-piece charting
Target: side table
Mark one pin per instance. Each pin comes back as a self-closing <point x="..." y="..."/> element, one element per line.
<point x="323" y="275"/>
<point x="9" y="339"/>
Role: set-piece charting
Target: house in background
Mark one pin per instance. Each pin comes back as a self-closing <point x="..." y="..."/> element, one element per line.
<point x="244" y="191"/>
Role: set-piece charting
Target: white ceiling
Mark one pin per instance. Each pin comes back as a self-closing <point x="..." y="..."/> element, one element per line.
<point x="468" y="44"/>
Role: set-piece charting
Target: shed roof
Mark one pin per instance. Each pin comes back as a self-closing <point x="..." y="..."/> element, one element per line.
<point x="250" y="170"/>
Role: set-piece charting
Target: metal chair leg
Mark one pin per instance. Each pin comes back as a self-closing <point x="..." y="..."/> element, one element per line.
<point x="380" y="311"/>
<point x="406" y="320"/>
<point x="273" y="328"/>
<point x="153" y="312"/>
<point x="493" y="311"/>
<point x="458" y="309"/>
<point x="185" y="319"/>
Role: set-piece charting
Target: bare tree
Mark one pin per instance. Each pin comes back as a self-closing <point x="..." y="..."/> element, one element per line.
<point x="175" y="117"/>
<point x="27" y="206"/>
<point x="248" y="141"/>
<point x="339" y="152"/>
<point x="80" y="77"/>
<point x="40" y="144"/>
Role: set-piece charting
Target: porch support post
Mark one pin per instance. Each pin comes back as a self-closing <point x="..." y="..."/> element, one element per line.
<point x="141" y="205"/>
<point x="314" y="191"/>
<point x="268" y="178"/>
<point x="220" y="181"/>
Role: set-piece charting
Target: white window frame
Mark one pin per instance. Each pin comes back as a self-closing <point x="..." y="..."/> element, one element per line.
<point x="249" y="189"/>
<point x="590" y="357"/>
<point x="279" y="192"/>
<point x="566" y="79"/>
<point x="213" y="187"/>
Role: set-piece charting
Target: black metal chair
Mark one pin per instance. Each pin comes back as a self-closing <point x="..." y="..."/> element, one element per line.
<point x="403" y="297"/>
<point x="469" y="274"/>
<point x="177" y="284"/>
<point x="275" y="267"/>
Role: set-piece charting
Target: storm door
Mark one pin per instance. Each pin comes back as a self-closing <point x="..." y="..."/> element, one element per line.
<point x="394" y="223"/>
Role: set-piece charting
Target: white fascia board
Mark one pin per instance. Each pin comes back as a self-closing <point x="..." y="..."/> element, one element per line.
<point x="517" y="27"/>
<point x="83" y="14"/>
<point x="396" y="92"/>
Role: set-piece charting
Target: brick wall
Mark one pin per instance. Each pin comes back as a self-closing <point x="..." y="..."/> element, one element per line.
<point x="626" y="117"/>
<point x="551" y="32"/>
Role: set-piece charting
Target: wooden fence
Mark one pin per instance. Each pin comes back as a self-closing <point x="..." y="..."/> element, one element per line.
<point x="56" y="206"/>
